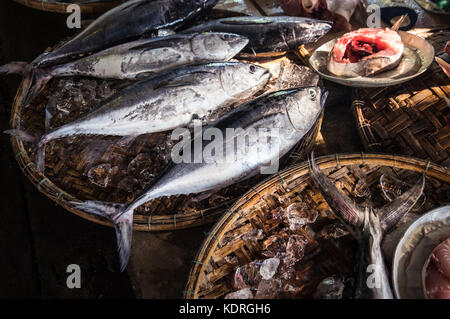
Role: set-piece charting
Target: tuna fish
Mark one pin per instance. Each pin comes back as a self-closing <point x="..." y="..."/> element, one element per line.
<point x="127" y="22"/>
<point x="139" y="59"/>
<point x="269" y="34"/>
<point x="162" y="103"/>
<point x="366" y="52"/>
<point x="368" y="225"/>
<point x="293" y="113"/>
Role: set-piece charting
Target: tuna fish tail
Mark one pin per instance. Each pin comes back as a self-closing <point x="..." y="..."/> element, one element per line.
<point x="22" y="135"/>
<point x="20" y="68"/>
<point x="395" y="210"/>
<point x="343" y="206"/>
<point x="122" y="218"/>
<point x="37" y="80"/>
<point x="38" y="145"/>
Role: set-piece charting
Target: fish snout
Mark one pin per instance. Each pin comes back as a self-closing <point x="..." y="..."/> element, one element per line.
<point x="236" y="41"/>
<point x="320" y="27"/>
<point x="323" y="96"/>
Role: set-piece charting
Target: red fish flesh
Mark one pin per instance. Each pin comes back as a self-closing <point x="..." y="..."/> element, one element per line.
<point x="437" y="272"/>
<point x="366" y="52"/>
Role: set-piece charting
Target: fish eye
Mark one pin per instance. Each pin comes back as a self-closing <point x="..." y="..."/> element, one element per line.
<point x="312" y="93"/>
<point x="226" y="36"/>
<point x="252" y="68"/>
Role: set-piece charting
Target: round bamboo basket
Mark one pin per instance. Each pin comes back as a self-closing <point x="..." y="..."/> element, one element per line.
<point x="410" y="119"/>
<point x="224" y="249"/>
<point x="64" y="181"/>
<point x="61" y="7"/>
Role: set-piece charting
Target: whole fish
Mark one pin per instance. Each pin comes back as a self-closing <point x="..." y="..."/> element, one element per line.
<point x="126" y="22"/>
<point x="139" y="59"/>
<point x="293" y="113"/>
<point x="162" y="103"/>
<point x="269" y="34"/>
<point x="366" y="52"/>
<point x="369" y="224"/>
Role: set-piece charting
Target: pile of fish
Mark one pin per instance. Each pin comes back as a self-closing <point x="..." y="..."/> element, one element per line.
<point x="179" y="75"/>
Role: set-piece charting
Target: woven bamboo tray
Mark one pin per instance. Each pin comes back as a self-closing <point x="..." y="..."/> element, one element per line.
<point x="65" y="181"/>
<point x="61" y="7"/>
<point x="224" y="249"/>
<point x="411" y="119"/>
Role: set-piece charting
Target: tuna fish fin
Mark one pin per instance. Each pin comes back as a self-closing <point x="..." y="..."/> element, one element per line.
<point x="349" y="211"/>
<point x="394" y="211"/>
<point x="37" y="80"/>
<point x="22" y="135"/>
<point x="123" y="224"/>
<point x="14" y="68"/>
<point x="38" y="145"/>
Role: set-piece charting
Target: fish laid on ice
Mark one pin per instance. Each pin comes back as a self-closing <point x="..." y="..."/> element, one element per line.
<point x="366" y="52"/>
<point x="370" y="225"/>
<point x="139" y="59"/>
<point x="269" y="34"/>
<point x="162" y="103"/>
<point x="127" y="22"/>
<point x="293" y="113"/>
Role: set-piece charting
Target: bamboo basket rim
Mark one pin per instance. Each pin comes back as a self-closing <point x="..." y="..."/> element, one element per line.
<point x="151" y="223"/>
<point x="61" y="7"/>
<point x="294" y="172"/>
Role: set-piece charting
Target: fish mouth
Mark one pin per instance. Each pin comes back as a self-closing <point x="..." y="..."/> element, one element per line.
<point x="266" y="73"/>
<point x="323" y="97"/>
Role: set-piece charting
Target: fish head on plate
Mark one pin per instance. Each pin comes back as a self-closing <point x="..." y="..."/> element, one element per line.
<point x="304" y="103"/>
<point x="244" y="77"/>
<point x="217" y="45"/>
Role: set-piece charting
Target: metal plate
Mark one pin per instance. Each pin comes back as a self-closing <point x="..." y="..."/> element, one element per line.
<point x="413" y="250"/>
<point x="419" y="49"/>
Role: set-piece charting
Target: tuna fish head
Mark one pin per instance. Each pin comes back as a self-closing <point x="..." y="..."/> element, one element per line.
<point x="311" y="29"/>
<point x="218" y="46"/>
<point x="306" y="107"/>
<point x="244" y="77"/>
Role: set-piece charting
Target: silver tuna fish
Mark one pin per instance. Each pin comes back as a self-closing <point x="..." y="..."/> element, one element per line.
<point x="269" y="34"/>
<point x="293" y="113"/>
<point x="126" y="22"/>
<point x="162" y="103"/>
<point x="139" y="59"/>
<point x="369" y="224"/>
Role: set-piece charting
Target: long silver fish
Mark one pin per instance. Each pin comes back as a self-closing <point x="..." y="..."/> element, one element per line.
<point x="138" y="59"/>
<point x="369" y="224"/>
<point x="293" y="113"/>
<point x="127" y="22"/>
<point x="162" y="103"/>
<point x="269" y="34"/>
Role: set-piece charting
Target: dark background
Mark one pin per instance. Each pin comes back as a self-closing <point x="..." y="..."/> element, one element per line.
<point x="38" y="239"/>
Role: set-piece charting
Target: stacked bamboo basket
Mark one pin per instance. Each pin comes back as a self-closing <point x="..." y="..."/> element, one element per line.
<point x="409" y="119"/>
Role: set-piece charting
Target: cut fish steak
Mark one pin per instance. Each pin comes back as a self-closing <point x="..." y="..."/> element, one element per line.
<point x="366" y="52"/>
